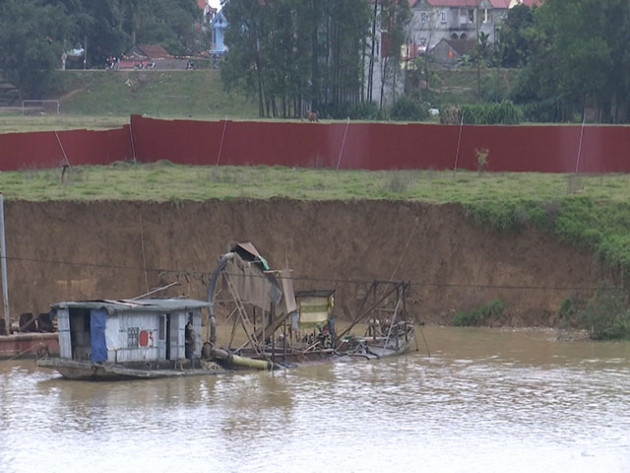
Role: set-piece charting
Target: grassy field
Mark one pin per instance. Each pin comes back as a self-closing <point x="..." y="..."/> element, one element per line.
<point x="98" y="99"/>
<point x="164" y="181"/>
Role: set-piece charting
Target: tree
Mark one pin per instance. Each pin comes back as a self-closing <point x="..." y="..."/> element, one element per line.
<point x="31" y="43"/>
<point x="109" y="27"/>
<point x="171" y="23"/>
<point x="296" y="54"/>
<point x="395" y="17"/>
<point x="578" y="58"/>
<point x="512" y="37"/>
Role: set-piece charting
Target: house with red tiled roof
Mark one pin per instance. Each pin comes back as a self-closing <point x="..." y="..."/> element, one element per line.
<point x="436" y="20"/>
<point x="208" y="12"/>
<point x="149" y="56"/>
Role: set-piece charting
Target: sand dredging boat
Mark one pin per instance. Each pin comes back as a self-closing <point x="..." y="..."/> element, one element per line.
<point x="272" y="327"/>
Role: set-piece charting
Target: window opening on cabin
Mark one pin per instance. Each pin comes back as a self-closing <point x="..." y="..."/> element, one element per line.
<point x="133" y="337"/>
<point x="443" y="16"/>
<point x="162" y="328"/>
<point x="423" y="16"/>
<point x="79" y="321"/>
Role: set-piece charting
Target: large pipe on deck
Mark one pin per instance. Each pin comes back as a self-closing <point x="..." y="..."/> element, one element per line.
<point x="242" y="361"/>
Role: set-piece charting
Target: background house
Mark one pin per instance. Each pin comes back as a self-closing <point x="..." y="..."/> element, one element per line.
<point x="450" y="52"/>
<point x="208" y="12"/>
<point x="435" y="20"/>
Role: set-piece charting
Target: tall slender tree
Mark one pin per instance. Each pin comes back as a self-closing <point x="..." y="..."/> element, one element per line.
<point x="296" y="54"/>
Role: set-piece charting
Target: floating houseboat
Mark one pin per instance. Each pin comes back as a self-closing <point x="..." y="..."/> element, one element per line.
<point x="272" y="327"/>
<point x="117" y="339"/>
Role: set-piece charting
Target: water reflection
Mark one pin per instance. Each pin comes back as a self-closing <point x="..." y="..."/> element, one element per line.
<point x="484" y="401"/>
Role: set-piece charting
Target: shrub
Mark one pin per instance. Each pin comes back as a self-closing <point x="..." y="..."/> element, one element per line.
<point x="482" y="159"/>
<point x="544" y="111"/>
<point x="408" y="109"/>
<point x="399" y="182"/>
<point x="505" y="113"/>
<point x="450" y="116"/>
<point x="568" y="310"/>
<point x="366" y="111"/>
<point x="606" y="316"/>
<point x="354" y="111"/>
<point x="492" y="310"/>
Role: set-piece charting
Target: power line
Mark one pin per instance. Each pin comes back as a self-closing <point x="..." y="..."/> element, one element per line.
<point x="336" y="281"/>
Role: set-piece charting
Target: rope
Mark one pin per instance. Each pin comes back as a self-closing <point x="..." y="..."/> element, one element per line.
<point x="65" y="156"/>
<point x="343" y="143"/>
<point x="459" y="142"/>
<point x="39" y="347"/>
<point x="221" y="144"/>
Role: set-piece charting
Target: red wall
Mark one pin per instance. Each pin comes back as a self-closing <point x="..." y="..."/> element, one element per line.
<point x="345" y="145"/>
<point x="46" y="149"/>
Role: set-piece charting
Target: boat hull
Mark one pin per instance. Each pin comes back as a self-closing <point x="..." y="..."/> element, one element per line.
<point x="28" y="345"/>
<point x="88" y="371"/>
<point x="223" y="361"/>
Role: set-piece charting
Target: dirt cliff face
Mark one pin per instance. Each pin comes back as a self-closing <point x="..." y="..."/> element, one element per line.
<point x="60" y="251"/>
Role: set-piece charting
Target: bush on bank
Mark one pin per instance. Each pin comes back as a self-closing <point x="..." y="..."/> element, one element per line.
<point x="606" y="316"/>
<point x="601" y="227"/>
<point x="493" y="310"/>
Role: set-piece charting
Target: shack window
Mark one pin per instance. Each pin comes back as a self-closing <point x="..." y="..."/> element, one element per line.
<point x="133" y="337"/>
<point x="162" y="328"/>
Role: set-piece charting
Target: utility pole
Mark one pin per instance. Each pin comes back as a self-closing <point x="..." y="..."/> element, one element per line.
<point x="3" y="257"/>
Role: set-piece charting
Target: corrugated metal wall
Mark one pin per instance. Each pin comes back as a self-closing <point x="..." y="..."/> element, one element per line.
<point x="351" y="145"/>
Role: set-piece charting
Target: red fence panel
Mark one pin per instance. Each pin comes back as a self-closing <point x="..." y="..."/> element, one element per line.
<point x="47" y="149"/>
<point x="555" y="148"/>
<point x="349" y="145"/>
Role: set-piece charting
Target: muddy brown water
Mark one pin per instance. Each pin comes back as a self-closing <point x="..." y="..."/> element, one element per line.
<point x="484" y="401"/>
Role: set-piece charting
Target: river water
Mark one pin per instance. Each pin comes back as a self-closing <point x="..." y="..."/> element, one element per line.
<point x="483" y="401"/>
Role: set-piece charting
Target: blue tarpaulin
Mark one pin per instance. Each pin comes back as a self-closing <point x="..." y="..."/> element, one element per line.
<point x="97" y="334"/>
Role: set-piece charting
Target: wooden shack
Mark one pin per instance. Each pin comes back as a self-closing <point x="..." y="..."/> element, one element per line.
<point x="128" y="331"/>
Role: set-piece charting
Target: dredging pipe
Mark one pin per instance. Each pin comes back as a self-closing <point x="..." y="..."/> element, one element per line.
<point x="241" y="361"/>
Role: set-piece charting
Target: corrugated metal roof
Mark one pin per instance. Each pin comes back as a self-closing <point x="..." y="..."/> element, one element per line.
<point x="453" y="3"/>
<point x="501" y="4"/>
<point x="138" y="305"/>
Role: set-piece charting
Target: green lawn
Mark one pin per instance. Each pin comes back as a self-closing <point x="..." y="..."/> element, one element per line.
<point x="100" y="99"/>
<point x="229" y="182"/>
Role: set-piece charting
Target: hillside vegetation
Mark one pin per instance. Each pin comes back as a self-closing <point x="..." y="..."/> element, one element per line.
<point x="100" y="99"/>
